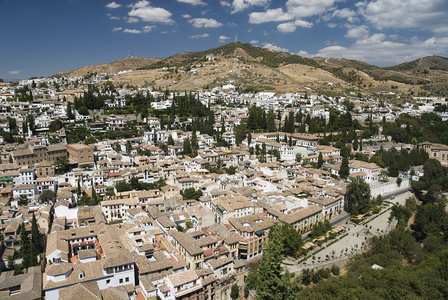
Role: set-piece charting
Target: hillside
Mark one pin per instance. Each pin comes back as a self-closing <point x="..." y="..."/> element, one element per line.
<point x="248" y="66"/>
<point x="127" y="63"/>
<point x="242" y="51"/>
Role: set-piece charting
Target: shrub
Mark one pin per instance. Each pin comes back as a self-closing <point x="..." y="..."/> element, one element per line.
<point x="335" y="270"/>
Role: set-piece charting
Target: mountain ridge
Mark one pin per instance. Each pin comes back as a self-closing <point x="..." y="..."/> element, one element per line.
<point x="425" y="76"/>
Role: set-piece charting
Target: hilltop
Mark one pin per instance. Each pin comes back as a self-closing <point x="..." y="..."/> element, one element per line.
<point x="257" y="68"/>
<point x="127" y="63"/>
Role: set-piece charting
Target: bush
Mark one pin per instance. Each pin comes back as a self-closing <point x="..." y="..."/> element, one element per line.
<point x="335" y="270"/>
<point x="325" y="273"/>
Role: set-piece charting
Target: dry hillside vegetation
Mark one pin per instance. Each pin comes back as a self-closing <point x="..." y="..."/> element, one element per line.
<point x="247" y="66"/>
<point x="127" y="63"/>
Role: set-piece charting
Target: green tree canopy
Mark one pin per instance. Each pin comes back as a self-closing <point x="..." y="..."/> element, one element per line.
<point x="358" y="196"/>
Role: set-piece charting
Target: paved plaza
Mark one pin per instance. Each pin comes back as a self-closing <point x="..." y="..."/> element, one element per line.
<point x="352" y="242"/>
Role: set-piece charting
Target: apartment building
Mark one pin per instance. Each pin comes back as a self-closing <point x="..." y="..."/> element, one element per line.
<point x="36" y="154"/>
<point x="80" y="154"/>
<point x="252" y="233"/>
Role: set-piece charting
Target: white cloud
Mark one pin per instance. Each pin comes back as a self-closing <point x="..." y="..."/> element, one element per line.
<point x="193" y="2"/>
<point x="295" y="9"/>
<point x="357" y="32"/>
<point x="225" y="3"/>
<point x="346" y="13"/>
<point x="306" y="8"/>
<point x="132" y="20"/>
<point x="205" y="23"/>
<point x="274" y="47"/>
<point x="113" y="5"/>
<point x="117" y="28"/>
<point x="223" y="38"/>
<point x="198" y="36"/>
<point x="332" y="25"/>
<point x="269" y="16"/>
<point x="15" y="72"/>
<point x="132" y="30"/>
<point x="286" y="27"/>
<point x="426" y="14"/>
<point x="143" y="10"/>
<point x="376" y="49"/>
<point x="114" y="18"/>
<point x="148" y="28"/>
<point x="291" y="26"/>
<point x="231" y="24"/>
<point x="254" y="42"/>
<point x="303" y="54"/>
<point x="186" y="16"/>
<point x="240" y="5"/>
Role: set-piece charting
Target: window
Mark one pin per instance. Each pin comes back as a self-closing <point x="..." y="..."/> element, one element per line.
<point x="127" y="279"/>
<point x="121" y="280"/>
<point x="81" y="275"/>
<point x="108" y="281"/>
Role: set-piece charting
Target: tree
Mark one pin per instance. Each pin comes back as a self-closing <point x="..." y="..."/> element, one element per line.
<point x="24" y="247"/>
<point x="240" y="134"/>
<point x="269" y="274"/>
<point x="170" y="140"/>
<point x="62" y="164"/>
<point x="83" y="111"/>
<point x="335" y="270"/>
<point x="320" y="160"/>
<point x="23" y="200"/>
<point x="24" y="127"/>
<point x="35" y="235"/>
<point x="358" y="198"/>
<point x="235" y="292"/>
<point x="187" y="147"/>
<point x="429" y="219"/>
<point x="344" y="170"/>
<point x="246" y="291"/>
<point x="191" y="193"/>
<point x="47" y="196"/>
<point x="270" y="283"/>
<point x="70" y="114"/>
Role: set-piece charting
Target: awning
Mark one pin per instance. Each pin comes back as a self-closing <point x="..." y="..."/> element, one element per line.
<point x="259" y="232"/>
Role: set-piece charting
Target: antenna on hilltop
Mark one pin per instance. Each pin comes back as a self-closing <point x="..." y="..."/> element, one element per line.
<point x="236" y="37"/>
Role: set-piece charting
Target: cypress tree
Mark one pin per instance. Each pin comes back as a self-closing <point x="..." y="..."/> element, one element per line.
<point x="35" y="236"/>
<point x="320" y="161"/>
<point x="344" y="170"/>
<point x="69" y="111"/>
<point x="170" y="140"/>
<point x="355" y="143"/>
<point x="25" y="247"/>
<point x="269" y="273"/>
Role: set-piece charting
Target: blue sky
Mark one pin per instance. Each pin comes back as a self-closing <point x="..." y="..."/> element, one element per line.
<point x="43" y="37"/>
